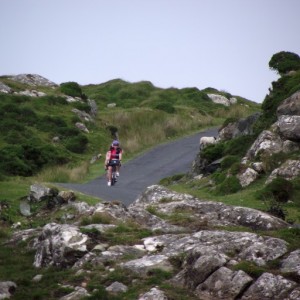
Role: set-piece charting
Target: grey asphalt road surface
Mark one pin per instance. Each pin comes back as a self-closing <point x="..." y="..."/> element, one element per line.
<point x="147" y="169"/>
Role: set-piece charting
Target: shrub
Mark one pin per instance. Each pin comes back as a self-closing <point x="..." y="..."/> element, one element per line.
<point x="229" y="160"/>
<point x="28" y="158"/>
<point x="51" y="124"/>
<point x="271" y="162"/>
<point x="166" y="107"/>
<point x="279" y="189"/>
<point x="283" y="62"/>
<point x="77" y="144"/>
<point x="229" y="186"/>
<point x="7" y="125"/>
<point x="113" y="131"/>
<point x="54" y="100"/>
<point x="71" y="89"/>
<point x="250" y="268"/>
<point x="65" y="132"/>
<point x="228" y="121"/>
<point x="12" y="161"/>
<point x="82" y="106"/>
<point x="218" y="177"/>
<point x="275" y="208"/>
<point x="239" y="145"/>
<point x="213" y="152"/>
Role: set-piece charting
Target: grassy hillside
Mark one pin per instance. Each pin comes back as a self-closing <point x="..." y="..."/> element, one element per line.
<point x="143" y="117"/>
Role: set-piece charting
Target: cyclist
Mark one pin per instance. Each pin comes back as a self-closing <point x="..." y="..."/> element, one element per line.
<point x="113" y="157"/>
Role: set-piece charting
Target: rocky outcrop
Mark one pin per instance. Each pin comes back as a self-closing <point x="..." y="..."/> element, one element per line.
<point x="289" y="170"/>
<point x="219" y="99"/>
<point x="7" y="289"/>
<point x="290" y="106"/>
<point x="153" y="294"/>
<point x="207" y="213"/>
<point x="247" y="177"/>
<point x="84" y="116"/>
<point x="267" y="143"/>
<point x="241" y="127"/>
<point x="271" y="287"/>
<point x="117" y="287"/>
<point x="201" y="257"/>
<point x="82" y="127"/>
<point x="59" y="245"/>
<point x="223" y="284"/>
<point x="291" y="264"/>
<point x="33" y="80"/>
<point x="31" y="93"/>
<point x="5" y="89"/>
<point x="78" y="294"/>
<point x="289" y="127"/>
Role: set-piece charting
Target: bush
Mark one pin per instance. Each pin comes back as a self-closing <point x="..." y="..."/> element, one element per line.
<point x="53" y="100"/>
<point x="7" y="125"/>
<point x="51" y="124"/>
<point x="77" y="144"/>
<point x="166" y="107"/>
<point x="279" y="189"/>
<point x="229" y="186"/>
<point x="65" y="132"/>
<point x="82" y="106"/>
<point x="283" y="62"/>
<point x="28" y="158"/>
<point x="228" y="121"/>
<point x="229" y="160"/>
<point x="213" y="152"/>
<point x="71" y="89"/>
<point x="239" y="145"/>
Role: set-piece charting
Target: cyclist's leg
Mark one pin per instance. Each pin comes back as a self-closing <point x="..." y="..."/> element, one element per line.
<point x="118" y="167"/>
<point x="109" y="172"/>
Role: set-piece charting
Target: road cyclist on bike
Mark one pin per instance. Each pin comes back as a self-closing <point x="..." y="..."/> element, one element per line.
<point x="113" y="158"/>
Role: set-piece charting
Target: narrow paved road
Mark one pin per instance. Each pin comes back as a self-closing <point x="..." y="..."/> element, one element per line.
<point x="149" y="168"/>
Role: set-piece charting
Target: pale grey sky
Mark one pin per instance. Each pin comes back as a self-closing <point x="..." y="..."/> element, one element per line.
<point x="224" y="44"/>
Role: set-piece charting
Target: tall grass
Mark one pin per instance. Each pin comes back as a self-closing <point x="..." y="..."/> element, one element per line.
<point x="144" y="127"/>
<point x="63" y="173"/>
<point x="234" y="111"/>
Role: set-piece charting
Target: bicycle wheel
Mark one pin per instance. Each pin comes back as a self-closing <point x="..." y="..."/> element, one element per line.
<point x="113" y="175"/>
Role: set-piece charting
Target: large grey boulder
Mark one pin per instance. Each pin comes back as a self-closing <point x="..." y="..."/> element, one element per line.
<point x="82" y="127"/>
<point x="5" y="89"/>
<point x="247" y="177"/>
<point x="59" y="245"/>
<point x="241" y="127"/>
<point x="93" y="106"/>
<point x="201" y="268"/>
<point x="267" y="143"/>
<point x="117" y="287"/>
<point x="219" y="99"/>
<point x="7" y="288"/>
<point x="78" y="294"/>
<point x="290" y="106"/>
<point x="147" y="263"/>
<point x="153" y="294"/>
<point x="223" y="284"/>
<point x="84" y="116"/>
<point x="33" y="79"/>
<point x="289" y="127"/>
<point x="39" y="192"/>
<point x="270" y="287"/>
<point x="291" y="264"/>
<point x="289" y="170"/>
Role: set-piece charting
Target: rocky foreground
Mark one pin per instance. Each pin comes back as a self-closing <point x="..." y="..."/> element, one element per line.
<point x="206" y="254"/>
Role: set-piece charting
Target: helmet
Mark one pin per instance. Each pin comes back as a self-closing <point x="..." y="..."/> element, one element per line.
<point x="115" y="143"/>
